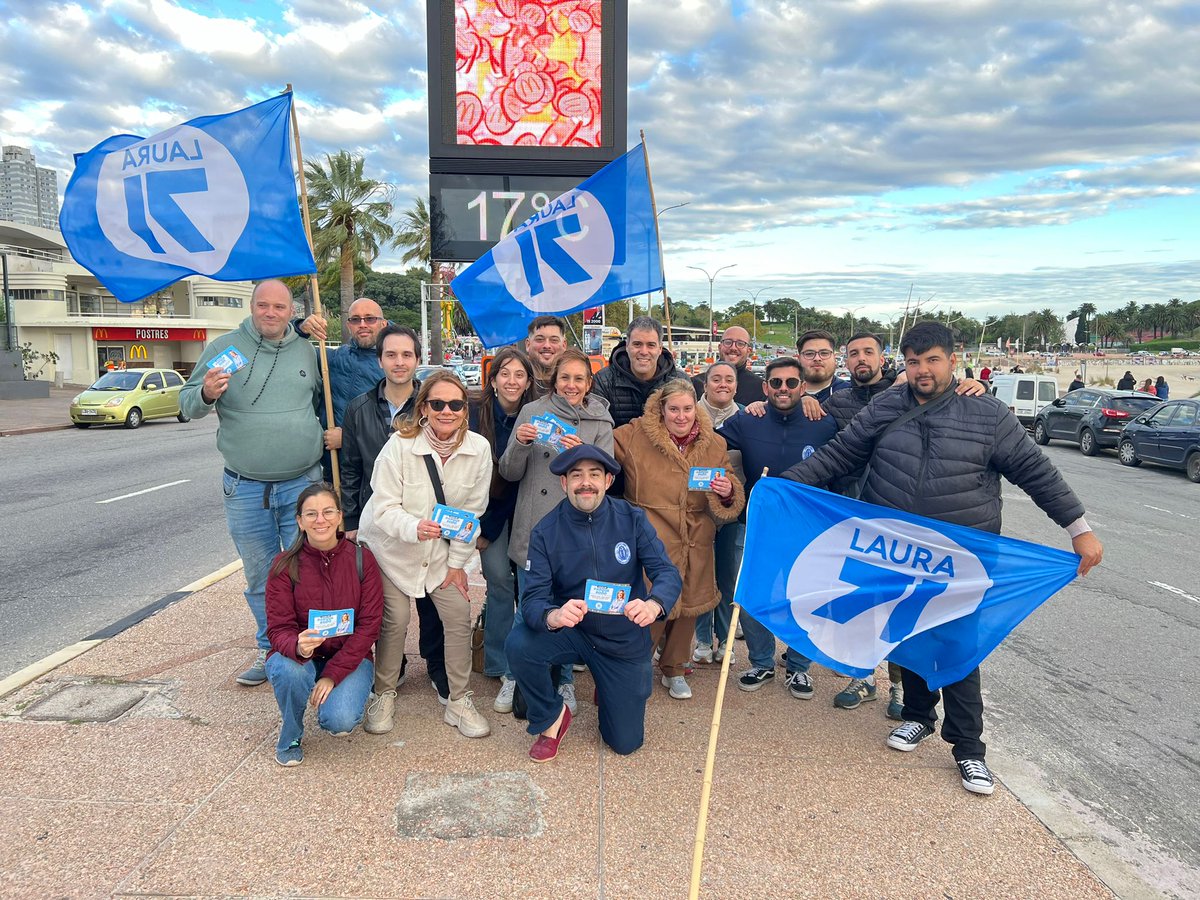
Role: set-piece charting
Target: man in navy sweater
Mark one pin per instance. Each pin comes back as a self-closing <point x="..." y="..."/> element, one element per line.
<point x="776" y="441"/>
<point x="590" y="536"/>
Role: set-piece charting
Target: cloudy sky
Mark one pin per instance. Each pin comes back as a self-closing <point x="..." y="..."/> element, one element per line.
<point x="993" y="154"/>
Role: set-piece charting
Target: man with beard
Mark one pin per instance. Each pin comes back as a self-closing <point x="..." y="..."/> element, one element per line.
<point x="818" y="362"/>
<point x="734" y="349"/>
<point x="590" y="536"/>
<point x="545" y="342"/>
<point x="639" y="365"/>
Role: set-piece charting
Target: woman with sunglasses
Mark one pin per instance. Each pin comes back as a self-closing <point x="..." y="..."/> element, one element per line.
<point x="657" y="453"/>
<point x="321" y="570"/>
<point x="397" y="524"/>
<point x="528" y="462"/>
<point x="509" y="387"/>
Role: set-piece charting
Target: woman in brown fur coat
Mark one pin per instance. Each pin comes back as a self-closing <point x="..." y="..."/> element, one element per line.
<point x="657" y="453"/>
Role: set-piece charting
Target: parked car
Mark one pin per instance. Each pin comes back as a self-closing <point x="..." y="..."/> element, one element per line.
<point x="1093" y="418"/>
<point x="1025" y="394"/>
<point x="1168" y="435"/>
<point x="129" y="398"/>
<point x="423" y="372"/>
<point x="471" y="374"/>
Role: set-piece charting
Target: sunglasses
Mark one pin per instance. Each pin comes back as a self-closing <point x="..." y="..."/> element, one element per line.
<point x="791" y="383"/>
<point x="363" y="320"/>
<point x="439" y="405"/>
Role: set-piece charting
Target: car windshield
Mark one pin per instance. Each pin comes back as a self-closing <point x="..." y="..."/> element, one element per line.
<point x="1132" y="405"/>
<point x="117" y="381"/>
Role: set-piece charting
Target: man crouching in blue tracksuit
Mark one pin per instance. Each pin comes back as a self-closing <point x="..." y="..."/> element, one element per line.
<point x="589" y="535"/>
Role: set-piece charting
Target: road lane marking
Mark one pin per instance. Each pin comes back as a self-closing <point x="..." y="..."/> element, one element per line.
<point x="1174" y="590"/>
<point x="146" y="491"/>
<point x="1167" y="511"/>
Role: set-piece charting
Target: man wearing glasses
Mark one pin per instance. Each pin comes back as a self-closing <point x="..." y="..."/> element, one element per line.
<point x="818" y="362"/>
<point x="775" y="441"/>
<point x="735" y="350"/>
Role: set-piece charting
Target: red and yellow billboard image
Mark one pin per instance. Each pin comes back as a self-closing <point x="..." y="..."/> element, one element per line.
<point x="527" y="72"/>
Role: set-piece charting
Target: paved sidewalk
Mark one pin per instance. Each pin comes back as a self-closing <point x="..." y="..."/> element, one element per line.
<point x="180" y="795"/>
<point x="30" y="416"/>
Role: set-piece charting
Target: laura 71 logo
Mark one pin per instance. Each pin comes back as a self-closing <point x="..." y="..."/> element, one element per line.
<point x="178" y="198"/>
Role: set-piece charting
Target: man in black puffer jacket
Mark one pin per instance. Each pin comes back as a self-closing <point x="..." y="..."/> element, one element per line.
<point x="638" y="366"/>
<point x="946" y="464"/>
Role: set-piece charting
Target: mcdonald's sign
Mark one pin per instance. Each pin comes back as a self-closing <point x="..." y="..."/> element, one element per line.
<point x="142" y="335"/>
<point x="138" y="351"/>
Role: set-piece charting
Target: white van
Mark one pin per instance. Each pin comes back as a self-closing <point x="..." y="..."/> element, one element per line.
<point x="1025" y="394"/>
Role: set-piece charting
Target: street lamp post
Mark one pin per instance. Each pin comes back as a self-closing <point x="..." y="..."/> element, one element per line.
<point x="649" y="303"/>
<point x="754" y="309"/>
<point x="711" y="278"/>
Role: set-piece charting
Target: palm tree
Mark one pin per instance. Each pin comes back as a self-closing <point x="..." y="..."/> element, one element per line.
<point x="1176" y="316"/>
<point x="1047" y="324"/>
<point x="350" y="215"/>
<point x="415" y="234"/>
<point x="1110" y="327"/>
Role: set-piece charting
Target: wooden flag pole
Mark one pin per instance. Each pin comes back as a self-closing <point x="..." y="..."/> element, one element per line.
<point x="658" y="237"/>
<point x="316" y="291"/>
<point x="714" y="731"/>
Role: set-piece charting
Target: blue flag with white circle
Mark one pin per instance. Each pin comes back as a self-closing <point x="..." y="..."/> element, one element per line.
<point x="850" y="584"/>
<point x="591" y="246"/>
<point x="214" y="196"/>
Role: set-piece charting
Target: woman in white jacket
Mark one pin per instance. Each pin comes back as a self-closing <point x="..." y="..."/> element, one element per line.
<point x="413" y="557"/>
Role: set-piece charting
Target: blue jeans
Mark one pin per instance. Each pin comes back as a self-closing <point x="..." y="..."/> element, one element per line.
<point x="567" y="675"/>
<point x="760" y="646"/>
<point x="262" y="522"/>
<point x="728" y="549"/>
<point x="293" y="683"/>
<point x="501" y="603"/>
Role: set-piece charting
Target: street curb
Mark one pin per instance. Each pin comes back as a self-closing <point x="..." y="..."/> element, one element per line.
<point x="48" y="664"/>
<point x="33" y="429"/>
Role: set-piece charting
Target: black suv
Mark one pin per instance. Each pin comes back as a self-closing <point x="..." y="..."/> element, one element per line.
<point x="1090" y="417"/>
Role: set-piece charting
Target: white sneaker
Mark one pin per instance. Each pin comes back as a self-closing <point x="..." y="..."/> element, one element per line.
<point x="380" y="713"/>
<point x="463" y="715"/>
<point x="504" y="699"/>
<point x="567" y="692"/>
<point x="703" y="653"/>
<point x="719" y="654"/>
<point x="678" y="687"/>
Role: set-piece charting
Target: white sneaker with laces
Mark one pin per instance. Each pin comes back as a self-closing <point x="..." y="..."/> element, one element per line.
<point x="703" y="653"/>
<point x="678" y="687"/>
<point x="463" y="715"/>
<point x="504" y="699"/>
<point x="567" y="692"/>
<point x="380" y="713"/>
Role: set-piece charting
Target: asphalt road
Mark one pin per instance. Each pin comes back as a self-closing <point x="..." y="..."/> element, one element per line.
<point x="1094" y="698"/>
<point x="1092" y="703"/>
<point x="72" y="564"/>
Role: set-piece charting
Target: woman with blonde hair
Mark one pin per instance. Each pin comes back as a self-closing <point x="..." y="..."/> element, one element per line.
<point x="431" y="459"/>
<point x="657" y="453"/>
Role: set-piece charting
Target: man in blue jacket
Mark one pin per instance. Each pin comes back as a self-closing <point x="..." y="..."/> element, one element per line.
<point x="590" y="536"/>
<point x="775" y="441"/>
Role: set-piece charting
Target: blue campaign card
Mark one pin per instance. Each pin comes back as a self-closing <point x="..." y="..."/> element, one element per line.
<point x="331" y="622"/>
<point x="551" y="430"/>
<point x="700" y="477"/>
<point x="228" y="360"/>
<point x="606" y="597"/>
<point x="457" y="524"/>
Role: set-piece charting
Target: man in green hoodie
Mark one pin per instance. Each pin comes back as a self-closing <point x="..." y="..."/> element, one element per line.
<point x="262" y="382"/>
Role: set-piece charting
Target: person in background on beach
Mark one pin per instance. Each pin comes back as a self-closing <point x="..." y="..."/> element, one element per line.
<point x="1127" y="382"/>
<point x="1147" y="387"/>
<point x="321" y="570"/>
<point x="1161" y="388"/>
<point x="1076" y="384"/>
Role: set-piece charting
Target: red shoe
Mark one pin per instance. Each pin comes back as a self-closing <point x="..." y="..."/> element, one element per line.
<point x="545" y="748"/>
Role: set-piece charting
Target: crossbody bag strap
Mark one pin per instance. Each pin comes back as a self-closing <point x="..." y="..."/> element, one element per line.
<point x="907" y="416"/>
<point x="435" y="478"/>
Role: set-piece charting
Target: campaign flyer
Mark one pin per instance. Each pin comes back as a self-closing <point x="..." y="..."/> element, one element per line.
<point x="457" y="524"/>
<point x="331" y="622"/>
<point x="700" y="477"/>
<point x="551" y="430"/>
<point x="605" y="597"/>
<point x="228" y="360"/>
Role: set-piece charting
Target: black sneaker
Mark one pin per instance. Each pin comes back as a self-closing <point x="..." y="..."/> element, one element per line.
<point x="754" y="678"/>
<point x="799" y="685"/>
<point x="975" y="776"/>
<point x="907" y="736"/>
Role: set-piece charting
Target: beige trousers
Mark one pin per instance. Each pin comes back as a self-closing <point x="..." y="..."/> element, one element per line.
<point x="455" y="612"/>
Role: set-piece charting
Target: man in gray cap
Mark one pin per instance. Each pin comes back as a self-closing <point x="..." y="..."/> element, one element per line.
<point x="585" y="601"/>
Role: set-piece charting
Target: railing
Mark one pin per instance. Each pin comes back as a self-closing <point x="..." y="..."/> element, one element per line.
<point x="12" y="250"/>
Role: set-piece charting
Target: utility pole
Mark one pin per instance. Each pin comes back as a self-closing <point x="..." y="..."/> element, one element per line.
<point x="754" y="309"/>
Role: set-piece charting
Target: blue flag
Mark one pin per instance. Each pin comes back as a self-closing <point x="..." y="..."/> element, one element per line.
<point x="215" y="196"/>
<point x="850" y="584"/>
<point x="591" y="246"/>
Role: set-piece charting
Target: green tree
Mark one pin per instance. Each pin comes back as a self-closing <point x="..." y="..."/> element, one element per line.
<point x="1082" y="330"/>
<point x="350" y="215"/>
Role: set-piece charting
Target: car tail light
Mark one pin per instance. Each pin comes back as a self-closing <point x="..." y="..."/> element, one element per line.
<point x="1113" y="414"/>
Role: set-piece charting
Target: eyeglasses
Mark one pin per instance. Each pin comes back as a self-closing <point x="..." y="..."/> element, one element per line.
<point x="814" y="354"/>
<point x="311" y="515"/>
<point x="777" y="383"/>
<point x="730" y="342"/>
<point x="364" y="320"/>
<point x="439" y="405"/>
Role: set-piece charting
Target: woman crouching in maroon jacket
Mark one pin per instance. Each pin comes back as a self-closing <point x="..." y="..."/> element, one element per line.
<point x="321" y="572"/>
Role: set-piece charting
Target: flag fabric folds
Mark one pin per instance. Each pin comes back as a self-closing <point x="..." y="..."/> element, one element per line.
<point x="591" y="246"/>
<point x="850" y="584"/>
<point x="214" y="196"/>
